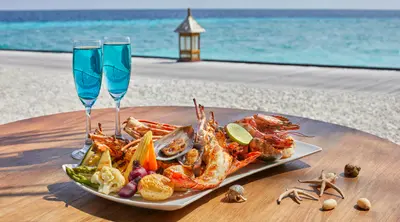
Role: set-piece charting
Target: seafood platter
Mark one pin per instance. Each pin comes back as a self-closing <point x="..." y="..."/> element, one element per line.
<point x="167" y="167"/>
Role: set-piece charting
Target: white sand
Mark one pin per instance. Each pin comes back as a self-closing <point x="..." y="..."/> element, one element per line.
<point x="35" y="84"/>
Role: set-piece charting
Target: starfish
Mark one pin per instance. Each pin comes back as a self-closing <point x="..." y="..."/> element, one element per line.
<point x="324" y="182"/>
<point x="296" y="193"/>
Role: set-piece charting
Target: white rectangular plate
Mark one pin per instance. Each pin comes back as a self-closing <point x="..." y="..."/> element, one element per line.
<point x="181" y="199"/>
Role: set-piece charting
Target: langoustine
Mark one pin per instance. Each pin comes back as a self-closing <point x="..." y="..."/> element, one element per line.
<point x="270" y="135"/>
<point x="273" y="129"/>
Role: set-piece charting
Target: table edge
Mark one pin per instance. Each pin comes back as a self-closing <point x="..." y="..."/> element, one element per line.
<point x="211" y="107"/>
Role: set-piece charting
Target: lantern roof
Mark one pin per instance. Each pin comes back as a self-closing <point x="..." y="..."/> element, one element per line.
<point x="189" y="25"/>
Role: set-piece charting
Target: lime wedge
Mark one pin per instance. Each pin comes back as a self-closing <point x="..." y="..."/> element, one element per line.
<point x="238" y="134"/>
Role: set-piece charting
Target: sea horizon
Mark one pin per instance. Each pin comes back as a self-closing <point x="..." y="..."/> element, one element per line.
<point x="50" y="15"/>
<point x="331" y="37"/>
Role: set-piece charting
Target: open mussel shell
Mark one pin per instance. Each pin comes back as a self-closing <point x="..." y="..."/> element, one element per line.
<point x="186" y="133"/>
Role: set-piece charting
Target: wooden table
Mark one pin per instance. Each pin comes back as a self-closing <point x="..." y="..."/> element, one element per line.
<point x="33" y="186"/>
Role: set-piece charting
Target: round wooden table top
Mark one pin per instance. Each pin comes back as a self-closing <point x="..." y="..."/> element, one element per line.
<point x="33" y="186"/>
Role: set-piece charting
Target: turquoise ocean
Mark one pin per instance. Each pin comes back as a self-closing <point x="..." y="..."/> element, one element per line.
<point x="321" y="37"/>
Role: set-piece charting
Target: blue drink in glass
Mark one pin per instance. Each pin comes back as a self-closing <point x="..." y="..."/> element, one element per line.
<point x="88" y="73"/>
<point x="117" y="71"/>
<point x="117" y="68"/>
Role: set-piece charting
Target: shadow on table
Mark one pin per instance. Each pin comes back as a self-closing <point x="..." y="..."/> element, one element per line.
<point x="41" y="136"/>
<point x="15" y="191"/>
<point x="31" y="157"/>
<point x="45" y="136"/>
<point x="75" y="197"/>
<point x="40" y="146"/>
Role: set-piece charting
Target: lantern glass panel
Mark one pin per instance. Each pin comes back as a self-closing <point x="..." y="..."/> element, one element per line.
<point x="195" y="40"/>
<point x="187" y="42"/>
<point x="182" y="42"/>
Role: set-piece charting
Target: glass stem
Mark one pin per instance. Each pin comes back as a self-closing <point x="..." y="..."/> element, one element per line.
<point x="117" y="120"/>
<point x="88" y="141"/>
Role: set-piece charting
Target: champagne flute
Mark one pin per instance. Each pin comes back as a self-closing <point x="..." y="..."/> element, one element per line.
<point x="87" y="71"/>
<point x="117" y="71"/>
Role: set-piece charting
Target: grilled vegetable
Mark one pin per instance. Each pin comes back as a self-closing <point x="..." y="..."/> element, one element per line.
<point x="151" y="161"/>
<point x="137" y="172"/>
<point x="87" y="157"/>
<point x="85" y="170"/>
<point x="128" y="190"/>
<point x="105" y="160"/>
<point x="142" y="154"/>
<point x="83" y="178"/>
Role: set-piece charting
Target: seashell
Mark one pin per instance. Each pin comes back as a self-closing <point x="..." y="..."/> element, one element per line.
<point x="175" y="144"/>
<point x="329" y="204"/>
<point x="351" y="170"/>
<point x="364" y="204"/>
<point x="235" y="194"/>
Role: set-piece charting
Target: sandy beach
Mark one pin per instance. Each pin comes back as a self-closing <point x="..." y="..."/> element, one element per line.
<point x="35" y="84"/>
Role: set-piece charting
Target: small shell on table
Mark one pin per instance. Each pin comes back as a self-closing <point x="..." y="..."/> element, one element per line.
<point x="235" y="194"/>
<point x="364" y="204"/>
<point x="329" y="204"/>
<point x="351" y="170"/>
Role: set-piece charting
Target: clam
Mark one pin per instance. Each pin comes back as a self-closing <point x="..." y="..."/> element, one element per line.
<point x="175" y="144"/>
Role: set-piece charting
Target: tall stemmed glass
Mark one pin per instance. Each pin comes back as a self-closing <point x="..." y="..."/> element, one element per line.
<point x="87" y="70"/>
<point x="117" y="71"/>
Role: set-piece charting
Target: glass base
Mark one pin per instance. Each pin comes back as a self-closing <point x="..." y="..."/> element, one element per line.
<point x="120" y="137"/>
<point x="79" y="154"/>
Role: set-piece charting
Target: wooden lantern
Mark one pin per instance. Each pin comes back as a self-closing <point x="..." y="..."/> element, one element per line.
<point x="189" y="39"/>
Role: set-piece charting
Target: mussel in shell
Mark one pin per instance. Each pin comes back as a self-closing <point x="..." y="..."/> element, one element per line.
<point x="175" y="144"/>
<point x="175" y="147"/>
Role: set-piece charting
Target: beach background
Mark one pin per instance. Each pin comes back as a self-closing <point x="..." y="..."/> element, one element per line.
<point x="367" y="38"/>
<point x="36" y="83"/>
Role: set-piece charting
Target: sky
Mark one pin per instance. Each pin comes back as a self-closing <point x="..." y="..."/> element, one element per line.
<point x="168" y="4"/>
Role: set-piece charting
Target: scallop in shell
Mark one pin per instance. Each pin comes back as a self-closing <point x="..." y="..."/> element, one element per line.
<point x="175" y="144"/>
